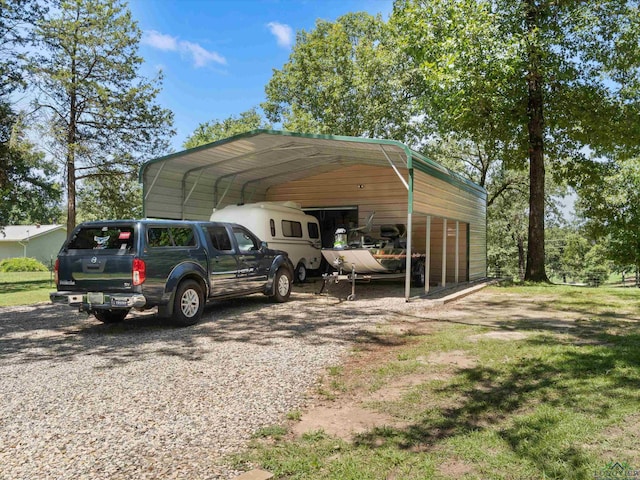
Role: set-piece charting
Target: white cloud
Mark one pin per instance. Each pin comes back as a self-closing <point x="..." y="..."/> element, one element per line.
<point x="282" y="32"/>
<point x="160" y="41"/>
<point x="200" y="56"/>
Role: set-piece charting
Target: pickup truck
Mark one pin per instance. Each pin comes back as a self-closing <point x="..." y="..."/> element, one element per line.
<point x="106" y="268"/>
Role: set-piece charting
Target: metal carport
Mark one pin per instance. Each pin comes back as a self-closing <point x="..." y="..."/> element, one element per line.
<point x="242" y="169"/>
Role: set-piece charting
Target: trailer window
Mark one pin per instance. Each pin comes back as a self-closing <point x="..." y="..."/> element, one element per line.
<point x="291" y="229"/>
<point x="313" y="230"/>
<point x="272" y="226"/>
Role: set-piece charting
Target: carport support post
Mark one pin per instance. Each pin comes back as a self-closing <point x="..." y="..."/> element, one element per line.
<point x="444" y="252"/>
<point x="427" y="259"/>
<point x="407" y="277"/>
<point x="457" y="256"/>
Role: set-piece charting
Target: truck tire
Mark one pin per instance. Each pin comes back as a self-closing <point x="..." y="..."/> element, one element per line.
<point x="301" y="273"/>
<point x="281" y="285"/>
<point x="111" y="316"/>
<point x="188" y="303"/>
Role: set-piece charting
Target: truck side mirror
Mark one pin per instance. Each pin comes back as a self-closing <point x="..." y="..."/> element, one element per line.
<point x="264" y="246"/>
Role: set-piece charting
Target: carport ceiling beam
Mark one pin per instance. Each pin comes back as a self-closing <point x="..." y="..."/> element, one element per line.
<point x="395" y="169"/>
<point x="245" y="155"/>
<point x="186" y="198"/>
<point x="247" y="170"/>
<point x="154" y="181"/>
<point x="224" y="194"/>
<point x="305" y="167"/>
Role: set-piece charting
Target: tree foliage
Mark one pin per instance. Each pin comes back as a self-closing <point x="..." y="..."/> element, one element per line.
<point x="528" y="78"/>
<point x="218" y="129"/>
<point x="344" y="78"/>
<point x="609" y="203"/>
<point x="101" y="114"/>
<point x="27" y="192"/>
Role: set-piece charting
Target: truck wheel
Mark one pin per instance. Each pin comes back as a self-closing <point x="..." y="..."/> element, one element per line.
<point x="188" y="303"/>
<point x="282" y="285"/>
<point x="300" y="273"/>
<point x="111" y="316"/>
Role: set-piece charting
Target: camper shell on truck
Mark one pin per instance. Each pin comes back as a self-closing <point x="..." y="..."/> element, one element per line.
<point x="107" y="268"/>
<point x="284" y="226"/>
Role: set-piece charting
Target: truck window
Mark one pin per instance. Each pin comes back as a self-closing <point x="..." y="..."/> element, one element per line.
<point x="313" y="230"/>
<point x="220" y="238"/>
<point x="103" y="238"/>
<point x="170" y="237"/>
<point x="246" y="241"/>
<point x="291" y="229"/>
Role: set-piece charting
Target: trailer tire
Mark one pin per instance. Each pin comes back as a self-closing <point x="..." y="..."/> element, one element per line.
<point x="300" y="273"/>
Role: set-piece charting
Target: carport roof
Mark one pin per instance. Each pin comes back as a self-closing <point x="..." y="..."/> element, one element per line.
<point x="271" y="157"/>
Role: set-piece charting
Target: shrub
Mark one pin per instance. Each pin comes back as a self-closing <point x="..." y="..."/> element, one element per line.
<point x="22" y="265"/>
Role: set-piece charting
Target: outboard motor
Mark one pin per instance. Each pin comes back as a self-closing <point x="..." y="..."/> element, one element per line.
<point x="340" y="240"/>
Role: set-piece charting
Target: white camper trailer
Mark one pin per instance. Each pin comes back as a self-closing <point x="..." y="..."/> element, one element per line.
<point x="284" y="226"/>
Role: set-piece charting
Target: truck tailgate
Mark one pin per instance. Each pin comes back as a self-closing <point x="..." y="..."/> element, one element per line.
<point x="95" y="272"/>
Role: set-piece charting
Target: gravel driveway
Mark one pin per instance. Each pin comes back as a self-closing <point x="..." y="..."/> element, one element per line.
<point x="84" y="400"/>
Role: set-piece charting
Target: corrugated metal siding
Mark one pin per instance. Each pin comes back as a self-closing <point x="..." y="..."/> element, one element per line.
<point x="382" y="192"/>
<point x="432" y="196"/>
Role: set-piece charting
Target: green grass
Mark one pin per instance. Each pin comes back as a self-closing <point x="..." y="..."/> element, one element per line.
<point x="562" y="403"/>
<point x="24" y="288"/>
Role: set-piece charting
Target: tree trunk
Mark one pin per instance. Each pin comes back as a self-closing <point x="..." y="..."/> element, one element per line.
<point x="535" y="248"/>
<point x="521" y="264"/>
<point x="71" y="191"/>
<point x="71" y="167"/>
<point x="71" y="152"/>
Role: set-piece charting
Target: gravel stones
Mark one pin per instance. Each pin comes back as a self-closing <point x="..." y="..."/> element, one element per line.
<point x="85" y="400"/>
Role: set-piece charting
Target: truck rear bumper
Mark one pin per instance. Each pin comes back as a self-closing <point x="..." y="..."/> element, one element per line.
<point x="99" y="300"/>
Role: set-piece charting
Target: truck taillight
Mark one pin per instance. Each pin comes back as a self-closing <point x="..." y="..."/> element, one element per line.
<point x="139" y="271"/>
<point x="56" y="269"/>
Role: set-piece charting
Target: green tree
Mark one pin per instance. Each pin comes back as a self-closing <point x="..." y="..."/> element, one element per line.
<point x="218" y="129"/>
<point x="344" y="78"/>
<point x="27" y="193"/>
<point x="609" y="206"/>
<point x="101" y="114"/>
<point x="526" y="79"/>
<point x="596" y="266"/>
<point x="122" y="199"/>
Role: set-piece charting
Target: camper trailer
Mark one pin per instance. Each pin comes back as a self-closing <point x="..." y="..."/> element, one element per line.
<point x="284" y="226"/>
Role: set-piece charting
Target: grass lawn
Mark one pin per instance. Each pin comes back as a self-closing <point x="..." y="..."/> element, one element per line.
<point x="24" y="288"/>
<point x="537" y="382"/>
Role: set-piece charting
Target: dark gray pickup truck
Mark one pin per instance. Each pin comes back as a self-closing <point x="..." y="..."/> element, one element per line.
<point x="108" y="267"/>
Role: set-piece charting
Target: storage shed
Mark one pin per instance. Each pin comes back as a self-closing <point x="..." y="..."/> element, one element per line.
<point x="342" y="181"/>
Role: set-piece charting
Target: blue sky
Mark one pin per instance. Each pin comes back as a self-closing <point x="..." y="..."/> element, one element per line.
<point x="218" y="55"/>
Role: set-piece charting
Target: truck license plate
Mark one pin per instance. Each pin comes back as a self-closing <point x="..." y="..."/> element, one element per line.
<point x="96" y="298"/>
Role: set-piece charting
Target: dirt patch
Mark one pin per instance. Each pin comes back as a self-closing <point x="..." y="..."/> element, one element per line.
<point x="506" y="336"/>
<point x="456" y="358"/>
<point x="342" y="421"/>
<point x="394" y="391"/>
<point x="455" y="469"/>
